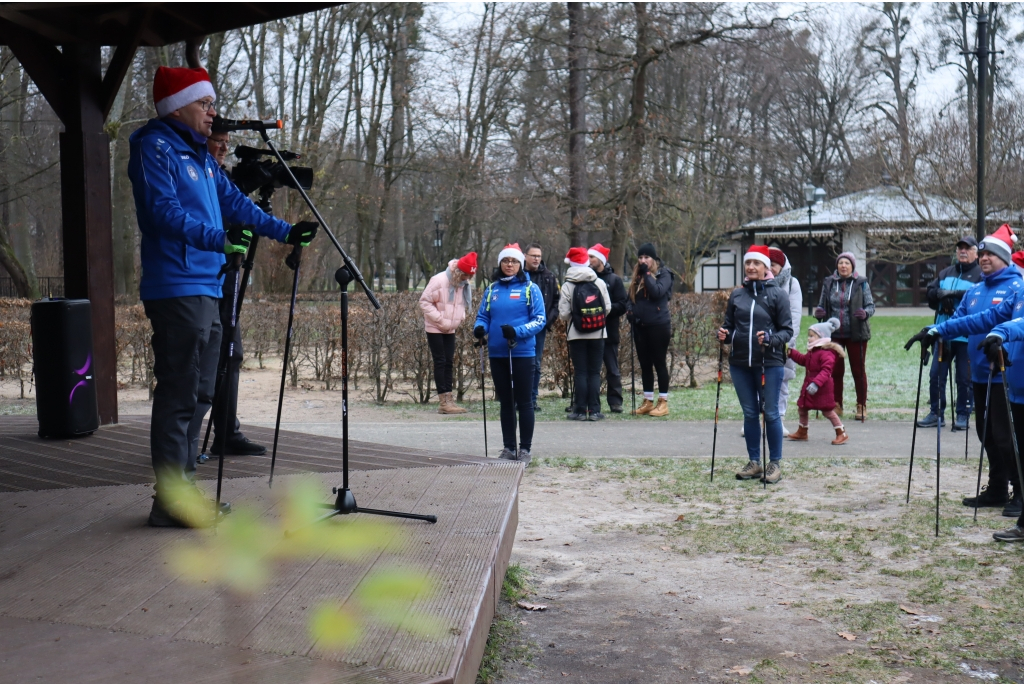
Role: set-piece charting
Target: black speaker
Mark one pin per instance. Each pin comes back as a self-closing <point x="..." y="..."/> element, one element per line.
<point x="62" y="356"/>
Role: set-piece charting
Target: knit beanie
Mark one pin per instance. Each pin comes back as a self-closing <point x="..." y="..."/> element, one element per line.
<point x="577" y="256"/>
<point x="467" y="263"/>
<point x="777" y="256"/>
<point x="1000" y="243"/>
<point x="758" y="253"/>
<point x="825" y="328"/>
<point x="512" y="250"/>
<point x="647" y="249"/>
<point x="601" y="252"/>
<point x="847" y="255"/>
<point x="175" y="87"/>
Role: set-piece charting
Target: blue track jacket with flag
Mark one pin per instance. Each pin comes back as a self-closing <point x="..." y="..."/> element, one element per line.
<point x="518" y="303"/>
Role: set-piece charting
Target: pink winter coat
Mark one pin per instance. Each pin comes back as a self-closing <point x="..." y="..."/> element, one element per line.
<point x="445" y="304"/>
<point x="819" y="362"/>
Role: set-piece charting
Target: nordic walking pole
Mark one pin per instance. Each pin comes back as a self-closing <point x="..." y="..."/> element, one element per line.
<point x="231" y="268"/>
<point x="512" y="385"/>
<point x="1009" y="414"/>
<point x="483" y="389"/>
<point x="718" y="396"/>
<point x="967" y="426"/>
<point x="938" y="450"/>
<point x="984" y="436"/>
<point x="917" y="406"/>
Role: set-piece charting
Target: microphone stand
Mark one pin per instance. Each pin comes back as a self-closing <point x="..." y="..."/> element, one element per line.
<point x="345" y="502"/>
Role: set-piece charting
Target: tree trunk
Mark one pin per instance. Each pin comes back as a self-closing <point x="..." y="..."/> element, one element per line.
<point x="399" y="100"/>
<point x="577" y="128"/>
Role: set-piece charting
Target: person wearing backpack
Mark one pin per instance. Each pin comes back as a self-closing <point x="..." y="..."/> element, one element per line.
<point x="585" y="303"/>
<point x="647" y="311"/>
<point x="510" y="316"/>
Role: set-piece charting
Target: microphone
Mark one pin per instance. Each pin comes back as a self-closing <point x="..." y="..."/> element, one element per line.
<point x="222" y="125"/>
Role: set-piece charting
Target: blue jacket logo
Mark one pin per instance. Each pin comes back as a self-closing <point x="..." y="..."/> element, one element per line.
<point x="193" y="174"/>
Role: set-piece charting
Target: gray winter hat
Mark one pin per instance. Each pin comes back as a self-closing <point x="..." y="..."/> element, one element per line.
<point x="826" y="328"/>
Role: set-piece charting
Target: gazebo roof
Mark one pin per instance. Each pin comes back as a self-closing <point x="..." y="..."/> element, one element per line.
<point x="885" y="206"/>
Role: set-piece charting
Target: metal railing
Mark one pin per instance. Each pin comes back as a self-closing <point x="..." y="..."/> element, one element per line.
<point x="48" y="286"/>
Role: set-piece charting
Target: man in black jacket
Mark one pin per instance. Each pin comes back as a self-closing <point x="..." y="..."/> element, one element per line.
<point x="617" y="292"/>
<point x="944" y="295"/>
<point x="548" y="285"/>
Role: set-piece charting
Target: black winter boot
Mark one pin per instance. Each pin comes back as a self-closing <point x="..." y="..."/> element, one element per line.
<point x="988" y="498"/>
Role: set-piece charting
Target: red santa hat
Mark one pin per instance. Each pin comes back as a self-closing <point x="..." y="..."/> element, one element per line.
<point x="1018" y="258"/>
<point x="601" y="252"/>
<point x="512" y="250"/>
<point x="173" y="88"/>
<point x="467" y="263"/>
<point x="577" y="256"/>
<point x="1000" y="243"/>
<point x="760" y="253"/>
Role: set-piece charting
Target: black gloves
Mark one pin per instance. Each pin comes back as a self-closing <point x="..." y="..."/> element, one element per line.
<point x="925" y="337"/>
<point x="641" y="269"/>
<point x="993" y="346"/>
<point x="479" y="333"/>
<point x="302" y="233"/>
<point x="237" y="239"/>
<point x="509" y="332"/>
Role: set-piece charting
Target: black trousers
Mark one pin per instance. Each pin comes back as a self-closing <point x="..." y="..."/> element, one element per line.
<point x="587" y="356"/>
<point x="186" y="347"/>
<point x="651" y="351"/>
<point x="1002" y="467"/>
<point x="521" y="376"/>
<point x="612" y="373"/>
<point x="442" y="349"/>
<point x="232" y="431"/>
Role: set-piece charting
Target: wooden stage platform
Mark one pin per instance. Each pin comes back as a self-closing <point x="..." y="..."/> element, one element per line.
<point x="85" y="595"/>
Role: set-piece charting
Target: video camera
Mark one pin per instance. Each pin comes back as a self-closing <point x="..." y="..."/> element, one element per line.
<point x="254" y="172"/>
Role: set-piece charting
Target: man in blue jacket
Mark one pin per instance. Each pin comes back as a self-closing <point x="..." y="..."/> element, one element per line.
<point x="182" y="201"/>
<point x="997" y="299"/>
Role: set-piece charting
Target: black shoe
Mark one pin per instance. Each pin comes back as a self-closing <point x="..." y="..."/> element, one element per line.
<point x="931" y="420"/>
<point x="596" y="416"/>
<point x="576" y="416"/>
<point x="160" y="517"/>
<point x="524" y="456"/>
<point x="1015" y="534"/>
<point x="1013" y="508"/>
<point x="536" y="409"/>
<point x="240" y="447"/>
<point x="987" y="498"/>
<point x="615" y="408"/>
<point x="507" y="454"/>
<point x="960" y="424"/>
<point x="569" y="409"/>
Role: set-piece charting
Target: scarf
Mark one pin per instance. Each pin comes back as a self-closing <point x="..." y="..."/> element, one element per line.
<point x="818" y="343"/>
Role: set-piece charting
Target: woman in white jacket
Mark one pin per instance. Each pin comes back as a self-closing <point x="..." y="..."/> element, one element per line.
<point x="784" y="278"/>
<point x="586" y="333"/>
<point x="445" y="301"/>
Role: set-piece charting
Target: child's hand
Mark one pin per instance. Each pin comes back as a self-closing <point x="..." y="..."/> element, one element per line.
<point x="812" y="388"/>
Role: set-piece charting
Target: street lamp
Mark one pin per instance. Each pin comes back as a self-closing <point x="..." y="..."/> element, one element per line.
<point x="438" y="232"/>
<point x="812" y="196"/>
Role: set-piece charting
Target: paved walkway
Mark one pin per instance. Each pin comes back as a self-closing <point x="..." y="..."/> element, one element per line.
<point x="649" y="438"/>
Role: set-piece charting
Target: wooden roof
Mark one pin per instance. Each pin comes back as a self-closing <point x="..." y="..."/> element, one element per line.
<point x="158" y="23"/>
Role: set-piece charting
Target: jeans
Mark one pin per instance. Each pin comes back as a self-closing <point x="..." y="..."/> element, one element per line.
<point x="747" y="382"/>
<point x="587" y="356"/>
<point x="442" y="350"/>
<point x="539" y="338"/>
<point x="504" y="383"/>
<point x="186" y="347"/>
<point x="939" y="374"/>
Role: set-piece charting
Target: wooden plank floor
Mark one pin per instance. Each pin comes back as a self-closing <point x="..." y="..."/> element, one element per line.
<point x="119" y="455"/>
<point x="86" y="596"/>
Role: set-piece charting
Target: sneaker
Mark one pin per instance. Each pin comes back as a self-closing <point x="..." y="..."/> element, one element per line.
<point x="1015" y="534"/>
<point x="576" y="417"/>
<point x="536" y="408"/>
<point x="239" y="447"/>
<point x="596" y="416"/>
<point x="186" y="513"/>
<point x="987" y="498"/>
<point x="524" y="456"/>
<point x="931" y="421"/>
<point x="773" y="474"/>
<point x="751" y="470"/>
<point x="615" y="408"/>
<point x="960" y="424"/>
<point x="570" y="409"/>
<point x="507" y="454"/>
<point x="1013" y="508"/>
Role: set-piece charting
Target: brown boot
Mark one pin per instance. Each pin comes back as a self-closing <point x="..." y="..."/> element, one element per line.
<point x="448" y="405"/>
<point x="862" y="413"/>
<point x="645" y="408"/>
<point x="800" y="434"/>
<point x="841" y="436"/>
<point x="660" y="409"/>
<point x="454" y="408"/>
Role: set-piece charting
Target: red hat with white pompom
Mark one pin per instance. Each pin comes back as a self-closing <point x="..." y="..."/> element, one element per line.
<point x="1000" y="244"/>
<point x="601" y="252"/>
<point x="759" y="253"/>
<point x="512" y="250"/>
<point x="577" y="256"/>
<point x="175" y="87"/>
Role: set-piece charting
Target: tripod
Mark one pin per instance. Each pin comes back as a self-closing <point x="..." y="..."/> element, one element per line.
<point x="345" y="503"/>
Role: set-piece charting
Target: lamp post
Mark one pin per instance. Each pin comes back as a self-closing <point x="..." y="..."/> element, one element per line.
<point x="812" y="196"/>
<point x="438" y="232"/>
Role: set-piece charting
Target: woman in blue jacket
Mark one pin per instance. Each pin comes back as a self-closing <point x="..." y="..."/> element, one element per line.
<point x="511" y="314"/>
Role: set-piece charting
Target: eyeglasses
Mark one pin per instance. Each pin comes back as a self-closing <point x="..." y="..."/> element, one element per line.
<point x="509" y="260"/>
<point x="220" y="143"/>
<point x="207" y="105"/>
